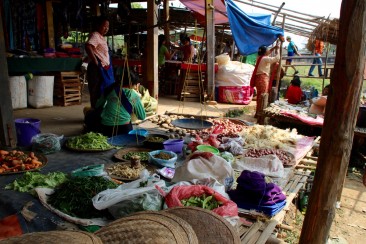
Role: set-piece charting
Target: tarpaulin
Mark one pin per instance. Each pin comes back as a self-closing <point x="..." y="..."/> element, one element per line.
<point x="250" y="32"/>
<point x="198" y="6"/>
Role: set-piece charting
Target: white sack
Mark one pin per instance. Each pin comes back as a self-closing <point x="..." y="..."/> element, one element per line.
<point x="269" y="165"/>
<point x="40" y="91"/>
<point x="234" y="73"/>
<point x="18" y="91"/>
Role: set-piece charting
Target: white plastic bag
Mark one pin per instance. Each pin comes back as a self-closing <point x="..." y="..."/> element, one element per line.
<point x="269" y="165"/>
<point x="128" y="198"/>
<point x="201" y="168"/>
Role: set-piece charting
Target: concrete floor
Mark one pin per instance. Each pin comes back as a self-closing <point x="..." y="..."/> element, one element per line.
<point x="68" y="121"/>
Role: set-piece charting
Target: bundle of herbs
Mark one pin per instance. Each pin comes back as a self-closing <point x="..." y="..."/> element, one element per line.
<point x="74" y="197"/>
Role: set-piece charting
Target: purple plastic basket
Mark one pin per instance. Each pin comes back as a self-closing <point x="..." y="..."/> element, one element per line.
<point x="174" y="145"/>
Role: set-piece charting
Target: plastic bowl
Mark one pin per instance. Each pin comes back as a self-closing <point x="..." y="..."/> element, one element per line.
<point x="155" y="145"/>
<point x="207" y="148"/>
<point x="140" y="132"/>
<point x="163" y="162"/>
<point x="174" y="145"/>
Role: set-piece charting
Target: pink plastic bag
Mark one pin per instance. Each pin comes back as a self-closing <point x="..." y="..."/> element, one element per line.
<point x="229" y="208"/>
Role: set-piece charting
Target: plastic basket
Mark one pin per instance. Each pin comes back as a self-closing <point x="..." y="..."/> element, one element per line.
<point x="174" y="145"/>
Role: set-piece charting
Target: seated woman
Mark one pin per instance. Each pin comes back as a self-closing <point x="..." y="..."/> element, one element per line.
<point x="318" y="103"/>
<point x="117" y="106"/>
<point x="294" y="94"/>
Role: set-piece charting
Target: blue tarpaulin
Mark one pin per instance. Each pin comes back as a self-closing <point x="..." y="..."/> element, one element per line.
<point x="252" y="31"/>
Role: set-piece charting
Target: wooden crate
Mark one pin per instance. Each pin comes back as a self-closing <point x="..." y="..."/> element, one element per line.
<point x="192" y="91"/>
<point x="68" y="89"/>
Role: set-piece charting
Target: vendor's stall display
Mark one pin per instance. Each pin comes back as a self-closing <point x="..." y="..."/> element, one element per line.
<point x="125" y="154"/>
<point x="287" y="158"/>
<point x="163" y="158"/>
<point x="260" y="136"/>
<point x="209" y="227"/>
<point x="126" y="140"/>
<point x="31" y="180"/>
<point x="66" y="236"/>
<point x="148" y="227"/>
<point x="254" y="193"/>
<point x="12" y="162"/>
<point x="155" y="141"/>
<point x="124" y="171"/>
<point x="74" y="197"/>
<point x="89" y="142"/>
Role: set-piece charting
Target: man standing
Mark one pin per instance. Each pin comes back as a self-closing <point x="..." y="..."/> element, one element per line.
<point x="291" y="51"/>
<point x="318" y="51"/>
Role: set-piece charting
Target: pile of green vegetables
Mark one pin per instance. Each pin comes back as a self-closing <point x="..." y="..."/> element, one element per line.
<point x="144" y="156"/>
<point x="74" y="197"/>
<point x="204" y="201"/>
<point x="232" y="113"/>
<point x="31" y="180"/>
<point x="88" y="141"/>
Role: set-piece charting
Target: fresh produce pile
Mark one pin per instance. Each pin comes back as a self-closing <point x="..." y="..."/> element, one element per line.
<point x="224" y="127"/>
<point x="165" y="122"/>
<point x="31" y="180"/>
<point x="16" y="161"/>
<point x="125" y="171"/>
<point x="88" y="141"/>
<point x="155" y="139"/>
<point x="163" y="155"/>
<point x="204" y="201"/>
<point x="74" y="196"/>
<point x="144" y="156"/>
<point x="232" y="113"/>
<point x="284" y="156"/>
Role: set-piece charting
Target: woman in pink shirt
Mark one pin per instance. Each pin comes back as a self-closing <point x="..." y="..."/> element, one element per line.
<point x="100" y="70"/>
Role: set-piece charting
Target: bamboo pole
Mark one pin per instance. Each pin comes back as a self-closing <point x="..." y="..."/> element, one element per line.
<point x="279" y="65"/>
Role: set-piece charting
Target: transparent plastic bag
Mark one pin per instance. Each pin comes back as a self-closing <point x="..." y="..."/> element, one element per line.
<point x="46" y="143"/>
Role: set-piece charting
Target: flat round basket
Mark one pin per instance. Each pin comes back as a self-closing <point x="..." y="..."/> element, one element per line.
<point x="186" y="229"/>
<point x="209" y="227"/>
<point x="143" y="229"/>
<point x="55" y="237"/>
<point x="121" y="154"/>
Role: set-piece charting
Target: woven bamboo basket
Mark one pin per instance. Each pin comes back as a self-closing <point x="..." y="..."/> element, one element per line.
<point x="326" y="31"/>
<point x="139" y="229"/>
<point x="209" y="227"/>
<point x="186" y="229"/>
<point x="55" y="237"/>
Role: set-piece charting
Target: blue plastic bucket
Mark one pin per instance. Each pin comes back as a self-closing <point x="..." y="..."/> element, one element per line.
<point x="26" y="128"/>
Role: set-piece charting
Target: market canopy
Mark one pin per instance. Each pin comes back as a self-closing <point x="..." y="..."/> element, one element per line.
<point x="198" y="7"/>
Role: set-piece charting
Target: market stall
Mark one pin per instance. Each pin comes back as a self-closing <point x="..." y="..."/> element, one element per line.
<point x="224" y="149"/>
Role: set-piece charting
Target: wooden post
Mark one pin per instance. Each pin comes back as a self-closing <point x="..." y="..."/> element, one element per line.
<point x="210" y="27"/>
<point x="7" y="130"/>
<point x="50" y="29"/>
<point x="279" y="68"/>
<point x="339" y="123"/>
<point x="166" y="22"/>
<point x="152" y="47"/>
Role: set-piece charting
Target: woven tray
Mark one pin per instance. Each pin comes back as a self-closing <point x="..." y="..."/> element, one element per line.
<point x="53" y="237"/>
<point x="209" y="227"/>
<point x="186" y="229"/>
<point x="41" y="158"/>
<point x="143" y="229"/>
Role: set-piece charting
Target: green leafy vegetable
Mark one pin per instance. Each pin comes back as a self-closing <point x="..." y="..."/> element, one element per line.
<point x="74" y="197"/>
<point x="203" y="201"/>
<point x="91" y="140"/>
<point x="31" y="180"/>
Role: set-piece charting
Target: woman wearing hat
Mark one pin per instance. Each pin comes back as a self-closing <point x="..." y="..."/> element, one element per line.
<point x="260" y="77"/>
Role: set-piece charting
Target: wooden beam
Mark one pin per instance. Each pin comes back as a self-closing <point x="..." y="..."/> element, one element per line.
<point x="210" y="44"/>
<point x="50" y="25"/>
<point x="152" y="47"/>
<point x="7" y="129"/>
<point x="337" y="133"/>
<point x="166" y="21"/>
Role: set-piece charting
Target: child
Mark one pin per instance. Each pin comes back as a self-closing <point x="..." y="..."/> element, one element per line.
<point x="294" y="94"/>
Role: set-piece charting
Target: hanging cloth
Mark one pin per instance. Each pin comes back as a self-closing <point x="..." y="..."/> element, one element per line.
<point x="252" y="79"/>
<point x="107" y="75"/>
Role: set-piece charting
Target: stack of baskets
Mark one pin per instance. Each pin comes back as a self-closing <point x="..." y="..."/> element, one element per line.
<point x="178" y="225"/>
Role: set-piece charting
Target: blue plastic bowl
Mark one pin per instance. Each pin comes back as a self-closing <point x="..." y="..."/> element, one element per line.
<point x="162" y="162"/>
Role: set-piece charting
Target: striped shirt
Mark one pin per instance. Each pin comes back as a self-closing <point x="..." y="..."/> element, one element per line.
<point x="100" y="47"/>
